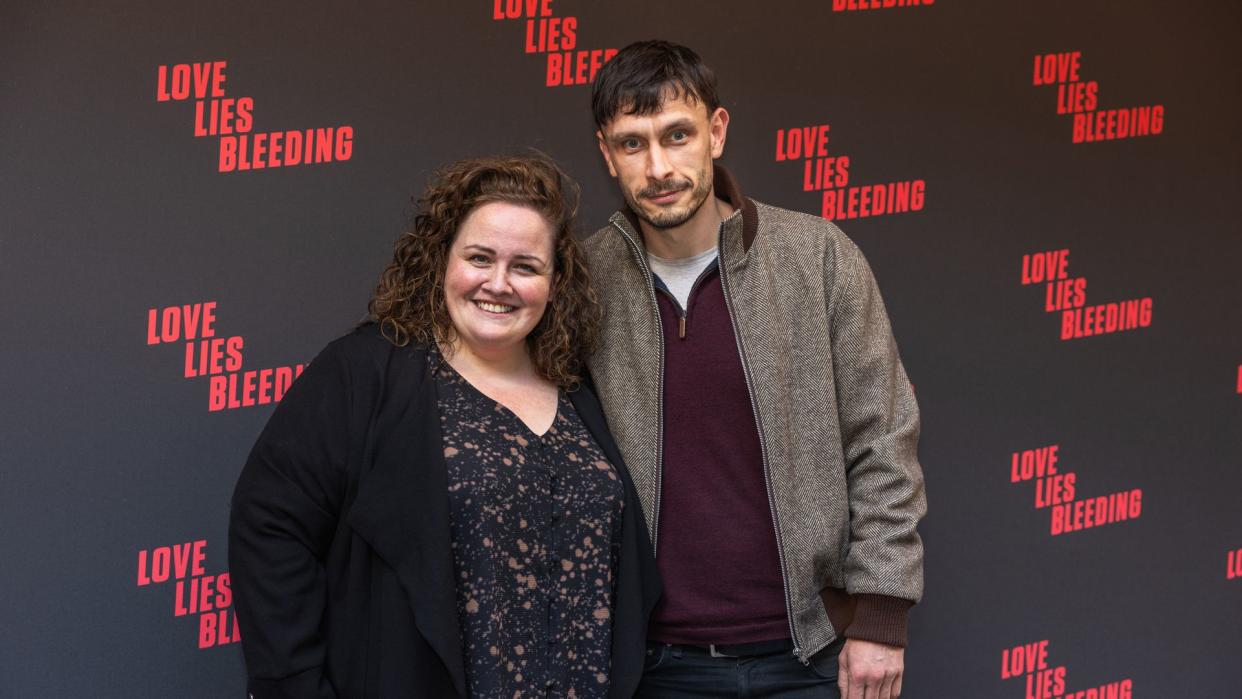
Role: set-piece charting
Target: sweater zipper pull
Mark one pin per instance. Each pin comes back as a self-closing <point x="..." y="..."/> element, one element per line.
<point x="681" y="326"/>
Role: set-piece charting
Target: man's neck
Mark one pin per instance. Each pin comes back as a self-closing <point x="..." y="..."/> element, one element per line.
<point x="696" y="235"/>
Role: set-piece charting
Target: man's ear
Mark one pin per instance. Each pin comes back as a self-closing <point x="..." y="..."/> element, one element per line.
<point x="719" y="129"/>
<point x="603" y="149"/>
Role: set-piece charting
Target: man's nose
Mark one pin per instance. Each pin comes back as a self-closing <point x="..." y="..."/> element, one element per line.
<point x="658" y="165"/>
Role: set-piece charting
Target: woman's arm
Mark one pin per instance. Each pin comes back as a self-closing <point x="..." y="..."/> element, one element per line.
<point x="285" y="513"/>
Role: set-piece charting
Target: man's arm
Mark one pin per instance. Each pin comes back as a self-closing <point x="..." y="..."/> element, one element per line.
<point x="879" y="430"/>
<point x="879" y="421"/>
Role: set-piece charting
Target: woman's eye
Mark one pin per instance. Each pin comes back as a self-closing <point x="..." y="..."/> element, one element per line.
<point x="478" y="259"/>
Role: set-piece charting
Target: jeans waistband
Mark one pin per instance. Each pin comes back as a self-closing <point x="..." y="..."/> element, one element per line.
<point x="731" y="650"/>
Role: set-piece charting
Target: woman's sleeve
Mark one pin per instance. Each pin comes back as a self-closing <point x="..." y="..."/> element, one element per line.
<point x="284" y="515"/>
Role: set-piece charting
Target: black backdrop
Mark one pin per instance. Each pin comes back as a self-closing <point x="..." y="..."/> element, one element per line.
<point x="115" y="462"/>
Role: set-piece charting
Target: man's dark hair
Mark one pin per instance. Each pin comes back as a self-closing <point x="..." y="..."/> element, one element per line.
<point x="642" y="75"/>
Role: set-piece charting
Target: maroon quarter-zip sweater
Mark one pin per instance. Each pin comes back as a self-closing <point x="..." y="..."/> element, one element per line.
<point x="716" y="550"/>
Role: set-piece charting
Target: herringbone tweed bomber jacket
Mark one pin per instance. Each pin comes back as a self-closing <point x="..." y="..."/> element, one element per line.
<point x="836" y="415"/>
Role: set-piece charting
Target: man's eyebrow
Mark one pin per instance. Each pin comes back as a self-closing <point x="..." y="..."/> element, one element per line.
<point x="623" y="135"/>
<point x="684" y="124"/>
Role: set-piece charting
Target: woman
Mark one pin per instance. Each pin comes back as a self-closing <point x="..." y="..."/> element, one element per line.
<point x="436" y="507"/>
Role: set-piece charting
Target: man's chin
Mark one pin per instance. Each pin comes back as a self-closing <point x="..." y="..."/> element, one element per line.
<point x="660" y="217"/>
<point x="668" y="221"/>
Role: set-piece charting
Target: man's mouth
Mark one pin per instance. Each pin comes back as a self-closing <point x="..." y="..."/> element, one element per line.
<point x="664" y="194"/>
<point x="494" y="307"/>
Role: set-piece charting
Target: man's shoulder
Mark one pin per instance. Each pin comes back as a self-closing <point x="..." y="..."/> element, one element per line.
<point x="603" y="238"/>
<point x="798" y="225"/>
<point x="796" y="238"/>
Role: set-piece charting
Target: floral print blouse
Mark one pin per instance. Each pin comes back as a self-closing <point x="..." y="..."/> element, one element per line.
<point x="536" y="527"/>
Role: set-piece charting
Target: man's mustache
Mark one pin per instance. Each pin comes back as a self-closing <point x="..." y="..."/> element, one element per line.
<point x="664" y="188"/>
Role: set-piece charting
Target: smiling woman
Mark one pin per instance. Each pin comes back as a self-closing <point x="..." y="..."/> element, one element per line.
<point x="532" y="199"/>
<point x="437" y="507"/>
<point x="498" y="278"/>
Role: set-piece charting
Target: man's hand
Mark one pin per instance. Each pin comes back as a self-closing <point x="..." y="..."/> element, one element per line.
<point x="870" y="670"/>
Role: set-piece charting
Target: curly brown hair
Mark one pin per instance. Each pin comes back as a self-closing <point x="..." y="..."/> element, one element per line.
<point x="409" y="302"/>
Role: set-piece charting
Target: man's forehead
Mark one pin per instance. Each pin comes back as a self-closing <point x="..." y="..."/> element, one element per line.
<point x="672" y="108"/>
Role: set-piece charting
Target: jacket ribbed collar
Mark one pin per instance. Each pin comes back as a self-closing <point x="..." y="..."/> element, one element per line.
<point x="743" y="222"/>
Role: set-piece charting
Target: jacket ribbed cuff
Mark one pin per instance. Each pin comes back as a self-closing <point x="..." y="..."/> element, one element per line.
<point x="880" y="619"/>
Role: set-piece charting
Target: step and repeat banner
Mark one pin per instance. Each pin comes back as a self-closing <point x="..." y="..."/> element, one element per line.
<point x="197" y="197"/>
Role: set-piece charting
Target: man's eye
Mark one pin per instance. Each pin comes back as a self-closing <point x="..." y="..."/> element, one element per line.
<point x="678" y="136"/>
<point x="630" y="144"/>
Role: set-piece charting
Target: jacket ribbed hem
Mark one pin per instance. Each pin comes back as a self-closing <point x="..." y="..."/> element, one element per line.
<point x="880" y="619"/>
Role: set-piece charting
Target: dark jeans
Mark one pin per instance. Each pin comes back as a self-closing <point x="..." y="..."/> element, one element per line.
<point x="674" y="672"/>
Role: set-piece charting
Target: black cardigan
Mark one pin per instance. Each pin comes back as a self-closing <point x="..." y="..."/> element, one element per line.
<point x="339" y="546"/>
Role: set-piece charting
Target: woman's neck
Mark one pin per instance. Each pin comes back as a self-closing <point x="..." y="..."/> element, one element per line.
<point x="510" y="365"/>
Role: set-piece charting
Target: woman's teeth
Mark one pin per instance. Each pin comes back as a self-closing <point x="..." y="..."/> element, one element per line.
<point x="493" y="307"/>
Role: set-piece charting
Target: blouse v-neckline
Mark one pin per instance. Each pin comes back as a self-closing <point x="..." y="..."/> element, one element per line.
<point x="440" y="363"/>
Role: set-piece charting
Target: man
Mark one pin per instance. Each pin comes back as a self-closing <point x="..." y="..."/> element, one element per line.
<point x="749" y="373"/>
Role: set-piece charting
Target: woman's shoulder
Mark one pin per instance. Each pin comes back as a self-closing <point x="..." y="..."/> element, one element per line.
<point x="366" y="356"/>
<point x="368" y="342"/>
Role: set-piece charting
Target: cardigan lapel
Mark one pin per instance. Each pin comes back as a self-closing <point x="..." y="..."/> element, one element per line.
<point x="638" y="582"/>
<point x="402" y="508"/>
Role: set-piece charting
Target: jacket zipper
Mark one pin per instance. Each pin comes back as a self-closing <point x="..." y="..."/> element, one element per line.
<point x="655" y="306"/>
<point x="763" y="450"/>
<point x="684" y="313"/>
<point x="754" y="408"/>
